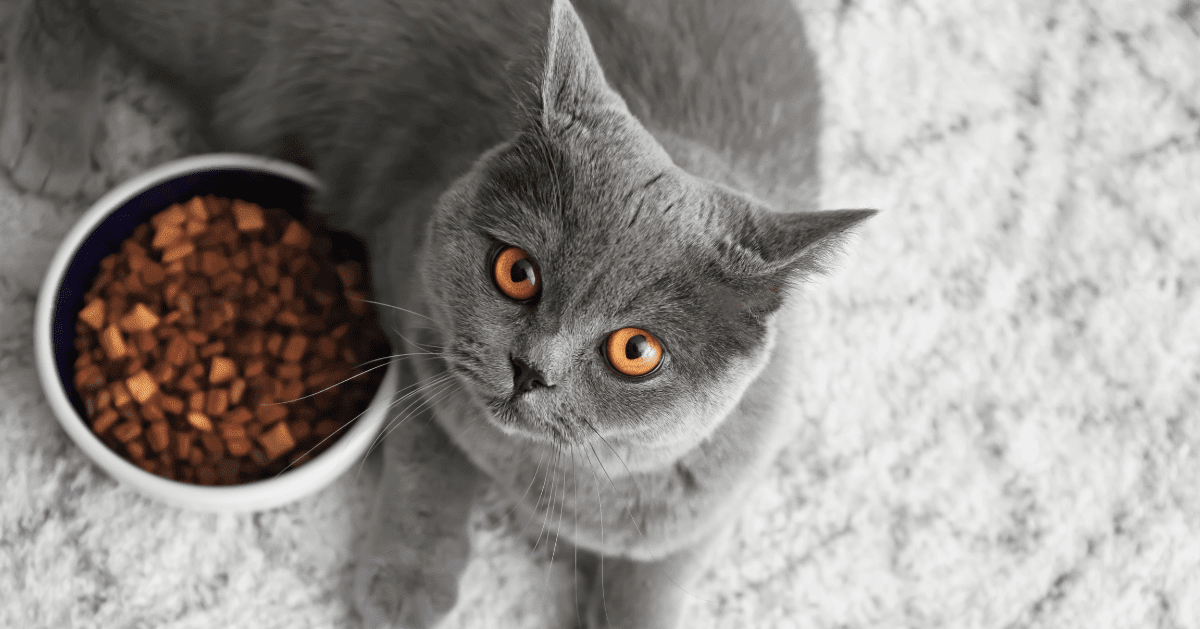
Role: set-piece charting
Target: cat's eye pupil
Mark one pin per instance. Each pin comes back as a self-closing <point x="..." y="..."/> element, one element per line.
<point x="522" y="271"/>
<point x="636" y="347"/>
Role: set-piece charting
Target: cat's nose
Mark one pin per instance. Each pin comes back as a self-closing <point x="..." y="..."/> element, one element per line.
<point x="525" y="377"/>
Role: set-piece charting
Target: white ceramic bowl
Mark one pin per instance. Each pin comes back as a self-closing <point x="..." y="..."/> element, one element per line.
<point x="99" y="232"/>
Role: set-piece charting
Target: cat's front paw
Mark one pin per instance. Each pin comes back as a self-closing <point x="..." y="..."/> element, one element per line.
<point x="404" y="588"/>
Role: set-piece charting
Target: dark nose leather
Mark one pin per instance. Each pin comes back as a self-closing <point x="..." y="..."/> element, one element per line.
<point x="525" y="377"/>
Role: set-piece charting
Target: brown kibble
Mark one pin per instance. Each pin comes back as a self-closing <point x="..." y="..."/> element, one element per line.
<point x="289" y="371"/>
<point x="196" y="209"/>
<point x="339" y="331"/>
<point x="200" y="421"/>
<point x="292" y="391"/>
<point x="127" y="431"/>
<point x="93" y="314"/>
<point x="139" y="319"/>
<point x="239" y="415"/>
<point x="159" y="436"/>
<point x="141" y="386"/>
<point x="293" y="351"/>
<point x="271" y="413"/>
<point x="356" y="300"/>
<point x="113" y="343"/>
<point x="247" y="216"/>
<point x="137" y="452"/>
<point x="196" y="337"/>
<point x="254" y="367"/>
<point x="177" y="351"/>
<point x="183" y="445"/>
<point x="327" y="348"/>
<point x="172" y="404"/>
<point x="178" y="251"/>
<point x="196" y="401"/>
<point x="268" y="273"/>
<point x="287" y="318"/>
<point x="163" y="373"/>
<point x="206" y="476"/>
<point x="213" y="444"/>
<point x="218" y="402"/>
<point x="240" y="260"/>
<point x="120" y="394"/>
<point x="212" y="349"/>
<point x="295" y="235"/>
<point x="274" y="343"/>
<point x="213" y="263"/>
<point x="222" y="370"/>
<point x="299" y="429"/>
<point x="174" y="215"/>
<point x="166" y="236"/>
<point x="89" y="378"/>
<point x="187" y="383"/>
<point x="324" y="428"/>
<point x="193" y="228"/>
<point x="287" y="288"/>
<point x="236" y="389"/>
<point x="349" y="273"/>
<point x="196" y="456"/>
<point x="238" y="446"/>
<point x="277" y="441"/>
<point x="152" y="411"/>
<point x="105" y="420"/>
<point x="146" y="342"/>
<point x="153" y="273"/>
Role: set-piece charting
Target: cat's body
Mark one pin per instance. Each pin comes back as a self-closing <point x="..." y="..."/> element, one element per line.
<point x="644" y="205"/>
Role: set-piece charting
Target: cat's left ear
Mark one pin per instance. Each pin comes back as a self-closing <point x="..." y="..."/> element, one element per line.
<point x="573" y="86"/>
<point x="765" y="251"/>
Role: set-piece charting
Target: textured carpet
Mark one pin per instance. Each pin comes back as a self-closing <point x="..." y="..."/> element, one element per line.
<point x="1002" y="380"/>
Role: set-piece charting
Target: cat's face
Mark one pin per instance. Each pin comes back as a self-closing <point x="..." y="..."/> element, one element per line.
<point x="576" y="288"/>
<point x="582" y="284"/>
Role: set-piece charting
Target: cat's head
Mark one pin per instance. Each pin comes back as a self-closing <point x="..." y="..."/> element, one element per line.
<point x="583" y="284"/>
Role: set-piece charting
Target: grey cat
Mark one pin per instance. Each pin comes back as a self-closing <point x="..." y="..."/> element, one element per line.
<point x="593" y="219"/>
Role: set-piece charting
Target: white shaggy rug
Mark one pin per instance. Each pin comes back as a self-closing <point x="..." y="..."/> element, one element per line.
<point x="1002" y="387"/>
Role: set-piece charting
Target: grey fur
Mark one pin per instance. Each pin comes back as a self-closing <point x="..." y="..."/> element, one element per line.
<point x="657" y="158"/>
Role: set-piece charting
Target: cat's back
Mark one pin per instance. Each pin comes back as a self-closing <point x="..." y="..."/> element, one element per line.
<point x="729" y="86"/>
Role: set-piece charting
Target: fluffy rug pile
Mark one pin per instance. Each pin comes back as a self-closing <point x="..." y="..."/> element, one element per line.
<point x="1002" y="379"/>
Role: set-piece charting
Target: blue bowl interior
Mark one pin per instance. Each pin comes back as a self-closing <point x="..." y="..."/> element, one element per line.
<point x="265" y="189"/>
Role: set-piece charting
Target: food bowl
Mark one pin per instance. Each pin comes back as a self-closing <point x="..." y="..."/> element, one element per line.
<point x="100" y="232"/>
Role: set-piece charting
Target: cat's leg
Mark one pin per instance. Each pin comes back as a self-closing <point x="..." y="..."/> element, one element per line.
<point x="417" y="540"/>
<point x="648" y="594"/>
<point x="49" y="111"/>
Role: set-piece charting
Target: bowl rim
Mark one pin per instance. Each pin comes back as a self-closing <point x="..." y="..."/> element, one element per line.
<point x="289" y="486"/>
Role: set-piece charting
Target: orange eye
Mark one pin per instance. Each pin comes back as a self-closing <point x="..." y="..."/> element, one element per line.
<point x="516" y="274"/>
<point x="633" y="351"/>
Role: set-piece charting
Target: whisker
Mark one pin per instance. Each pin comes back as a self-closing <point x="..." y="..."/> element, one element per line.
<point x="550" y="499"/>
<point x="377" y="303"/>
<point x="535" y="504"/>
<point x="409" y="355"/>
<point x="440" y="385"/>
<point x="558" y="532"/>
<point x="639" y="490"/>
<point x="417" y="389"/>
<point x="575" y="576"/>
<point x="541" y="460"/>
<point x="414" y="343"/>
<point x="603" y="601"/>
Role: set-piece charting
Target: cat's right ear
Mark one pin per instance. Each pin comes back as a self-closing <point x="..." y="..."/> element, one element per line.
<point x="573" y="87"/>
<point x="764" y="252"/>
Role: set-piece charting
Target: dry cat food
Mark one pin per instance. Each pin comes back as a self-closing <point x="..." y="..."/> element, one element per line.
<point x="210" y="314"/>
